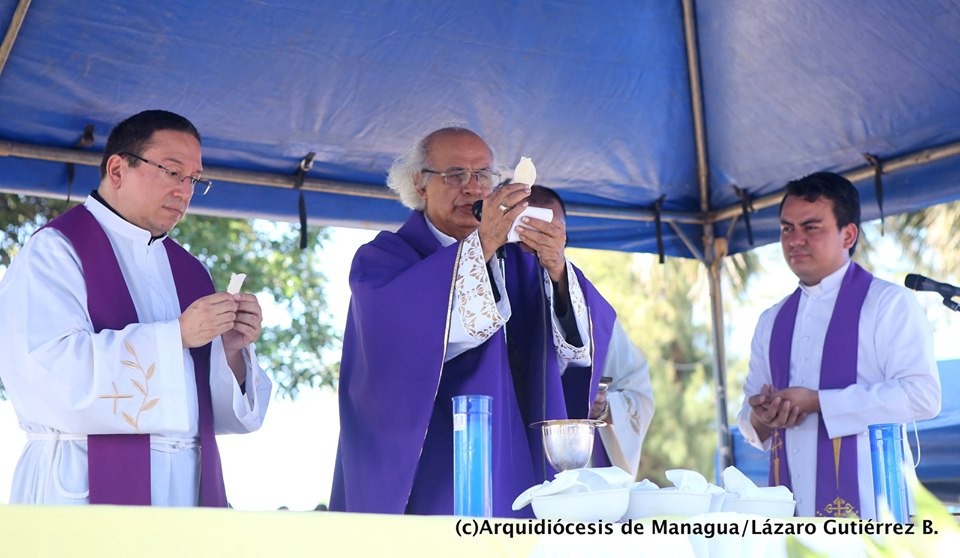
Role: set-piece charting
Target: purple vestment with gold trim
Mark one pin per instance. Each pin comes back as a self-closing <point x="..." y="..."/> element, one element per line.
<point x="838" y="490"/>
<point x="119" y="464"/>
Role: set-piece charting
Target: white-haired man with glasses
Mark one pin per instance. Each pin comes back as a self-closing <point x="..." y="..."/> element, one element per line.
<point x="433" y="315"/>
<point x="120" y="357"/>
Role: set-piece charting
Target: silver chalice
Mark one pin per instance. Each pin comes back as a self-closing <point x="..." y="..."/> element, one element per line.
<point x="568" y="443"/>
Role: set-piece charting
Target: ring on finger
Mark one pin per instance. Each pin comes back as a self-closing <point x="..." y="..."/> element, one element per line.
<point x="504" y="208"/>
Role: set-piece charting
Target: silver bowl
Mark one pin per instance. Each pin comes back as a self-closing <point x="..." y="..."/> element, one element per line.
<point x="568" y="443"/>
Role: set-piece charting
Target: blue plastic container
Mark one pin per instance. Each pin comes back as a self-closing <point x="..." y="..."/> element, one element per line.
<point x="472" y="456"/>
<point x="889" y="480"/>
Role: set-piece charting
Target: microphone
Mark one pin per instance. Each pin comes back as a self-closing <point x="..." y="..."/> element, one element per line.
<point x="477" y="208"/>
<point x="921" y="283"/>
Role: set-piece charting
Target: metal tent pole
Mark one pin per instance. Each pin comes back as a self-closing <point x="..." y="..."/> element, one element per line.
<point x="12" y="31"/>
<point x="714" y="249"/>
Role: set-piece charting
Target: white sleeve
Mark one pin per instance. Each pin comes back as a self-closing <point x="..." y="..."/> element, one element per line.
<point x="567" y="354"/>
<point x="897" y="381"/>
<point x="630" y="401"/>
<point x="757" y="376"/>
<point x="475" y="316"/>
<point x="65" y="376"/>
<point x="236" y="412"/>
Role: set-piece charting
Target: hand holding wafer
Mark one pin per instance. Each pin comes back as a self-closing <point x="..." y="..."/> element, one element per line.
<point x="236" y="282"/>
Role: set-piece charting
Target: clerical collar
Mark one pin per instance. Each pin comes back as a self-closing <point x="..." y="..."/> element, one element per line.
<point x="96" y="195"/>
<point x="444" y="239"/>
<point x="828" y="284"/>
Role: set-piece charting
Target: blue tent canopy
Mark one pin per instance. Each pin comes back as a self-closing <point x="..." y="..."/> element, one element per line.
<point x="599" y="95"/>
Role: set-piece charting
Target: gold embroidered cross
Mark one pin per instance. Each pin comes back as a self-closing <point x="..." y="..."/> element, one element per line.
<point x="839" y="507"/>
<point x="116" y="397"/>
<point x="777" y="444"/>
<point x="777" y="440"/>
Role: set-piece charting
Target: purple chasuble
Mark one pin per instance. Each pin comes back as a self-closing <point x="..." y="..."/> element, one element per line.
<point x="602" y="319"/>
<point x="838" y="486"/>
<point x="119" y="464"/>
<point x="395" y="453"/>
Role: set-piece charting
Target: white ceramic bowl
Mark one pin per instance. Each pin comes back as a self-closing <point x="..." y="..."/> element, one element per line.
<point x="763" y="507"/>
<point x="598" y="505"/>
<point x="666" y="502"/>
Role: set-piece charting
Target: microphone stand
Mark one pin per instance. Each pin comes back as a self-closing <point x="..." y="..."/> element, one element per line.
<point x="951" y="304"/>
<point x="502" y="265"/>
<point x="503" y="273"/>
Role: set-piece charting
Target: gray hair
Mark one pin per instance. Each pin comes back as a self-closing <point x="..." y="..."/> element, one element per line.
<point x="405" y="176"/>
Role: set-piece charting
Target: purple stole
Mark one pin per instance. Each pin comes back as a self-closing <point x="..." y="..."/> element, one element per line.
<point x="838" y="487"/>
<point x="119" y="464"/>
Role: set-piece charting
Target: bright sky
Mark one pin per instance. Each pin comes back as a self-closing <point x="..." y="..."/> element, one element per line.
<point x="289" y="462"/>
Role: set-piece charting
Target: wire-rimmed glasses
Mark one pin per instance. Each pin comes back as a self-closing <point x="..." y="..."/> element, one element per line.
<point x="196" y="183"/>
<point x="458" y="178"/>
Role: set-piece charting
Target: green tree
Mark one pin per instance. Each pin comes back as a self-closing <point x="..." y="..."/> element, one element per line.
<point x="930" y="239"/>
<point x="299" y="353"/>
<point x="20" y="216"/>
<point x="665" y="311"/>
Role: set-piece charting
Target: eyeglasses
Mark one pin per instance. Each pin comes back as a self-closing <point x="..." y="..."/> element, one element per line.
<point x="197" y="184"/>
<point x="458" y="178"/>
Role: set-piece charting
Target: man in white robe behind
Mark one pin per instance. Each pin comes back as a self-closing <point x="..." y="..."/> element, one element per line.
<point x="627" y="404"/>
<point x="67" y="380"/>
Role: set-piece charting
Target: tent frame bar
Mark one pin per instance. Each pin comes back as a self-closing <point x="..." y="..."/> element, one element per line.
<point x="377" y="191"/>
<point x="913" y="159"/>
<point x="90" y="158"/>
<point x="13" y="30"/>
